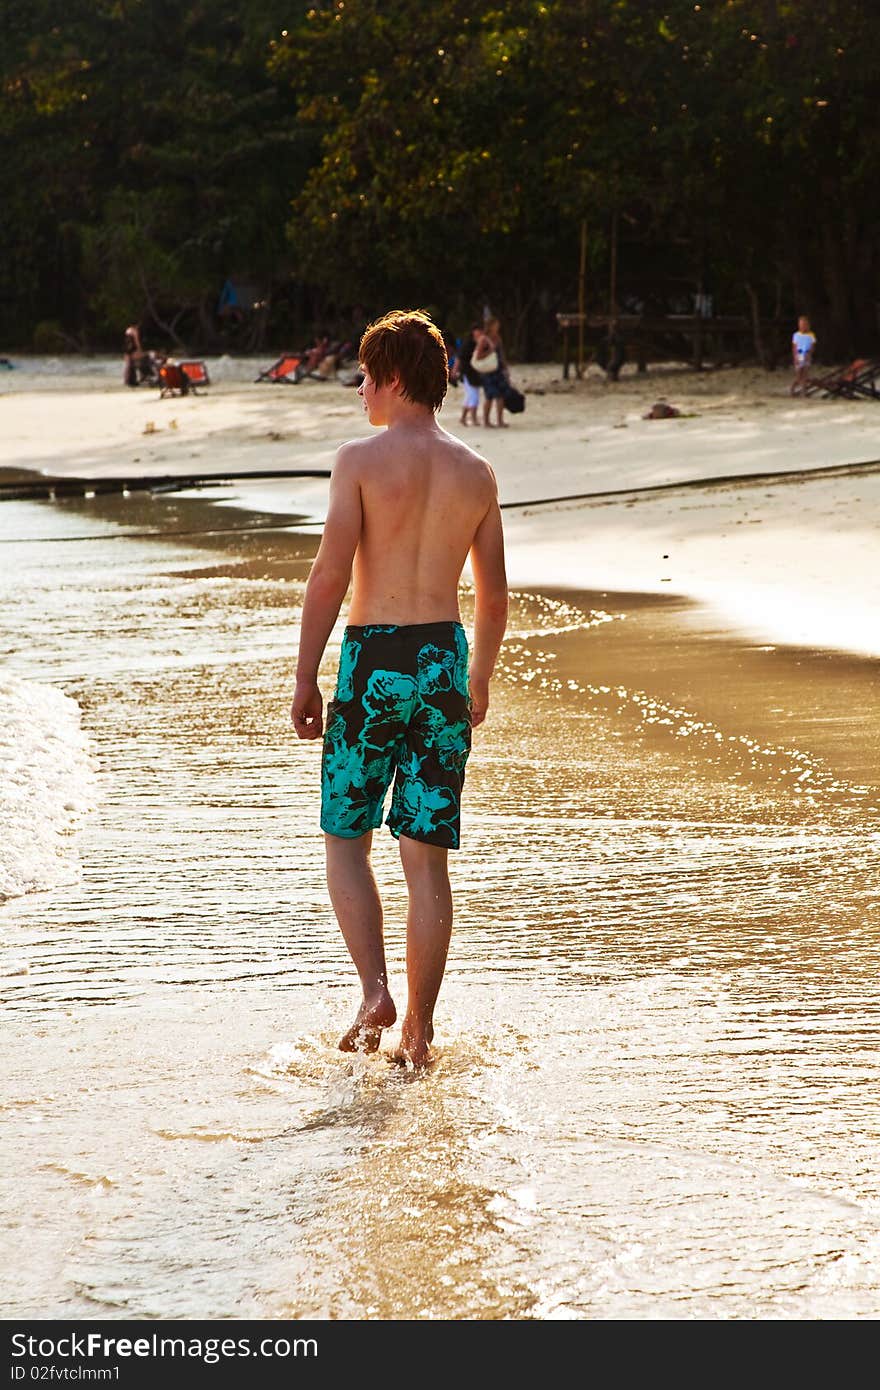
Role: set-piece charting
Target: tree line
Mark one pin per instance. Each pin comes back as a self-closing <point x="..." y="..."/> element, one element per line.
<point x="332" y="160"/>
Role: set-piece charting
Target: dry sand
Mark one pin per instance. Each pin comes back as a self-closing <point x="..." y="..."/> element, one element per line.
<point x="787" y="560"/>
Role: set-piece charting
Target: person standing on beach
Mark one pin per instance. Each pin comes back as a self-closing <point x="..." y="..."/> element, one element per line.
<point x="132" y="354"/>
<point x="803" y="345"/>
<point x="406" y="509"/>
<point x="470" y="379"/>
<point x="490" y="349"/>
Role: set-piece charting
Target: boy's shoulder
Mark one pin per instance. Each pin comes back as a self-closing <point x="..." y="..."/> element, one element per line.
<point x="359" y="453"/>
<point x="464" y="454"/>
<point x="351" y="455"/>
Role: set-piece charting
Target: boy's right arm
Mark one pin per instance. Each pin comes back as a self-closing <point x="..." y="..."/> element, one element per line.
<point x="326" y="588"/>
<point x="490" y="608"/>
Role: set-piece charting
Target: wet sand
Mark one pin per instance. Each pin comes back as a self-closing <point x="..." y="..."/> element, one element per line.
<point x="657" y="1037"/>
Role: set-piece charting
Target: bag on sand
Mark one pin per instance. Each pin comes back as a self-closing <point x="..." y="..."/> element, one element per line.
<point x="486" y="364"/>
<point x="514" y="400"/>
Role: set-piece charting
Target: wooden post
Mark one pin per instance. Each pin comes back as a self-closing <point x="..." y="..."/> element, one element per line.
<point x="612" y="287"/>
<point x="581" y="281"/>
<point x="698" y="344"/>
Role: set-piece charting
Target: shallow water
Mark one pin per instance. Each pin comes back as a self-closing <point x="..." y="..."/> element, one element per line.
<point x="658" y="1035"/>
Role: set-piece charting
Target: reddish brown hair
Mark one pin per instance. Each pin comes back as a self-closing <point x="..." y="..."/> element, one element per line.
<point x="407" y="345"/>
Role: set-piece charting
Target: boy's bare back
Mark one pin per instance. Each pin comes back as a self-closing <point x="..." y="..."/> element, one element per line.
<point x="424" y="497"/>
<point x="405" y="508"/>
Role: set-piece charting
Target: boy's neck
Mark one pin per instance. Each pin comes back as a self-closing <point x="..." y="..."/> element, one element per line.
<point x="411" y="416"/>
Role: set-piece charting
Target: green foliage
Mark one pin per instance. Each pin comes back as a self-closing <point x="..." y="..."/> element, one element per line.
<point x="49" y="337"/>
<point x="463" y="144"/>
<point x="384" y="151"/>
<point x="148" y="155"/>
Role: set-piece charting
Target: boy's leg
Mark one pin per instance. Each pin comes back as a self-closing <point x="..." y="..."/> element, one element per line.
<point x="428" y="930"/>
<point x="358" y="909"/>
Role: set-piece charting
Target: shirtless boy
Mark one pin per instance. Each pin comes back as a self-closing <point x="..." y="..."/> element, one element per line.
<point x="406" y="508"/>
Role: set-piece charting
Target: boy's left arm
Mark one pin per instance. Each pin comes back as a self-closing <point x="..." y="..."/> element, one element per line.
<point x="327" y="586"/>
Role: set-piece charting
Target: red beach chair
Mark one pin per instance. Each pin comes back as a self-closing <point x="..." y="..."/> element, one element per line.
<point x="181" y="378"/>
<point x="865" y="382"/>
<point x="848" y="381"/>
<point x="173" y="380"/>
<point x="196" y="371"/>
<point x="286" y="369"/>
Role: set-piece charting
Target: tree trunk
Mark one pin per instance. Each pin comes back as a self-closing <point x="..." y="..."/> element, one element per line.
<point x="839" y="330"/>
<point x="757" y="332"/>
<point x="207" y="331"/>
<point x="169" y="328"/>
<point x="520" y="323"/>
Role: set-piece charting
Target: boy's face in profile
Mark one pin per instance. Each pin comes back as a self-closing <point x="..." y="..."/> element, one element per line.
<point x="375" y="397"/>
<point x="367" y="392"/>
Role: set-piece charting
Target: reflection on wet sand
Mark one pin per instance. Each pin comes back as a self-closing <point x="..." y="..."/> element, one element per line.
<point x="658" y="1033"/>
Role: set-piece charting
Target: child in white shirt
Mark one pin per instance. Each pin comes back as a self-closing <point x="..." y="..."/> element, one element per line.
<point x="803" y="343"/>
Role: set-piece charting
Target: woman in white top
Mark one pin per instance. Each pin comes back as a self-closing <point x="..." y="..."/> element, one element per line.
<point x="491" y="349"/>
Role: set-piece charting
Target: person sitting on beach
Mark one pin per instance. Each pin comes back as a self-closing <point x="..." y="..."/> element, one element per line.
<point x="803" y="345"/>
<point x="314" y="355"/>
<point x="170" y="376"/>
<point x="335" y="357"/>
<point x="406" y="508"/>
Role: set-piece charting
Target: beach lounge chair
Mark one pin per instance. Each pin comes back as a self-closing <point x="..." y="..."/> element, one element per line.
<point x="860" y="378"/>
<point x="865" y="382"/>
<point x="196" y="371"/>
<point x="173" y="380"/>
<point x="287" y="369"/>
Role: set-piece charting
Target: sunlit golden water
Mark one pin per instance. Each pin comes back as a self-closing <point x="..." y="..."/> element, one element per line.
<point x="656" y="1093"/>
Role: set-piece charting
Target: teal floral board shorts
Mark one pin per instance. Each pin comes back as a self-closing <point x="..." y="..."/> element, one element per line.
<point x="401" y="712"/>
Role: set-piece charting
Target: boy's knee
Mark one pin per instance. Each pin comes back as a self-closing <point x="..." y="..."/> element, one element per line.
<point x="419" y="858"/>
<point x="348" y="846"/>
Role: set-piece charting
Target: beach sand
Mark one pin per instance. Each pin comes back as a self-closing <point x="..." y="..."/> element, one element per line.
<point x="657" y="1033"/>
<point x="788" y="560"/>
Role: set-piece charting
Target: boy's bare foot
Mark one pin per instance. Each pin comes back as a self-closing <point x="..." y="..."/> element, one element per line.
<point x="365" y="1033"/>
<point x="415" y="1048"/>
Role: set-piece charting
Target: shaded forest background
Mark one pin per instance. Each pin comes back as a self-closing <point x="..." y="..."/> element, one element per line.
<point x="335" y="160"/>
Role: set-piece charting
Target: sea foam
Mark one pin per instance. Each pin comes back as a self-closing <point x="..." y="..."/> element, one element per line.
<point x="47" y="783"/>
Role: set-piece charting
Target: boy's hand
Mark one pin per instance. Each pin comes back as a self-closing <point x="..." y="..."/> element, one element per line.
<point x="307" y="711"/>
<point x="479" y="687"/>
